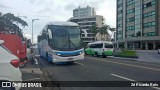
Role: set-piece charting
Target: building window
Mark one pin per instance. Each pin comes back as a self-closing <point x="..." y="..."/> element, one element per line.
<point x="131" y="19"/>
<point x="131" y="2"/>
<point x="130" y="28"/>
<point x="149" y="4"/>
<point x="120" y="11"/>
<point x="149" y="34"/>
<point x="119" y="5"/>
<point x="130" y="36"/>
<point x="119" y="32"/>
<point x="131" y="11"/>
<point x="120" y="18"/>
<point x="149" y="24"/>
<point x="119" y="25"/>
<point x="149" y="14"/>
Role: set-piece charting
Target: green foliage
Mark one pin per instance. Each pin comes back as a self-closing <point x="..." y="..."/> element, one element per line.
<point x="9" y="23"/>
<point x="127" y="53"/>
<point x="104" y="30"/>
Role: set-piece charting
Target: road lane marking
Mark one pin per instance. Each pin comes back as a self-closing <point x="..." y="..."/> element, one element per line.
<point x="128" y="65"/>
<point x="32" y="79"/>
<point x="79" y="63"/>
<point x="125" y="78"/>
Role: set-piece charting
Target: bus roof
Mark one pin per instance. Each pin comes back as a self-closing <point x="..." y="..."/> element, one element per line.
<point x="100" y="42"/>
<point x="63" y="23"/>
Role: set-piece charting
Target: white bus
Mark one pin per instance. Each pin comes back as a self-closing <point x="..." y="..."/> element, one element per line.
<point x="61" y="42"/>
<point x="100" y="48"/>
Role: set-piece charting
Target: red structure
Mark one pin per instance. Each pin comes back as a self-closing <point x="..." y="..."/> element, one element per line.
<point x="15" y="44"/>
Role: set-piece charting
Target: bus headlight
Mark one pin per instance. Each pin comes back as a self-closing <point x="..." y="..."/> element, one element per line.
<point x="58" y="54"/>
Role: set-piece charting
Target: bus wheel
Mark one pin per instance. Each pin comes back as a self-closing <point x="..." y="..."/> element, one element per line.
<point x="47" y="57"/>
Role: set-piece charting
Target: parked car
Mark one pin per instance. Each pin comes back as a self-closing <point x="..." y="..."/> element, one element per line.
<point x="9" y="67"/>
<point x="159" y="50"/>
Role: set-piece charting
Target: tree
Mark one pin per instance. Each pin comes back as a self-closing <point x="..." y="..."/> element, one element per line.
<point x="94" y="30"/>
<point x="112" y="29"/>
<point x="104" y="30"/>
<point x="8" y="23"/>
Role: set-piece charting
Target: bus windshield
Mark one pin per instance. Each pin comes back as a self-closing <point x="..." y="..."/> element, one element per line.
<point x="65" y="37"/>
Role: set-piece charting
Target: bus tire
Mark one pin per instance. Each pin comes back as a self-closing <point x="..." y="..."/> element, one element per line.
<point x="48" y="58"/>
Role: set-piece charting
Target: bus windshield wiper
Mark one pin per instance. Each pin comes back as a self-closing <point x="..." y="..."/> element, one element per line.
<point x="73" y="44"/>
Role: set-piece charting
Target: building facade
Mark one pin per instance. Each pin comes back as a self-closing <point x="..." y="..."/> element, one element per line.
<point x="138" y="24"/>
<point x="82" y="12"/>
<point x="85" y="23"/>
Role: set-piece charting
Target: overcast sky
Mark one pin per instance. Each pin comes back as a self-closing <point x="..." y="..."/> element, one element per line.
<point x="55" y="10"/>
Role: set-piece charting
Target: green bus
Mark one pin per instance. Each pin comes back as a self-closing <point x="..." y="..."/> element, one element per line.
<point x="99" y="48"/>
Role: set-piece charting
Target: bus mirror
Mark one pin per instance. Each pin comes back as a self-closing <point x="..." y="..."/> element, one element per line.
<point x="49" y="34"/>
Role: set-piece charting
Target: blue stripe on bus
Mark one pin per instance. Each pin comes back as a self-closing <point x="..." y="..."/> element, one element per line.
<point x="69" y="52"/>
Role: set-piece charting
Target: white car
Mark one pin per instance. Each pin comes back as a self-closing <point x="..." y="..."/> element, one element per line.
<point x="9" y="67"/>
<point x="159" y="51"/>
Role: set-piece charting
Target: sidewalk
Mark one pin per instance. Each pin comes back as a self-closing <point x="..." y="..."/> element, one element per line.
<point x="144" y="56"/>
<point x="148" y="56"/>
<point x="32" y="73"/>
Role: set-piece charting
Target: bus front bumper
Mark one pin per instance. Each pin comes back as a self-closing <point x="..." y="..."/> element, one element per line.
<point x="56" y="58"/>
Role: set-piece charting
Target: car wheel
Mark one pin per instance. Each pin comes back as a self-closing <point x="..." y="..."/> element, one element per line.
<point x="96" y="54"/>
<point x="158" y="52"/>
<point x="103" y="55"/>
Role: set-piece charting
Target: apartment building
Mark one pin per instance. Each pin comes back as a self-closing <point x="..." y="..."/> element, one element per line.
<point x="84" y="11"/>
<point x="138" y="24"/>
<point x="85" y="17"/>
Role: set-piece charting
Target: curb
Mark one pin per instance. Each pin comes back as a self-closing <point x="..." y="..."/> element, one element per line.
<point x="132" y="59"/>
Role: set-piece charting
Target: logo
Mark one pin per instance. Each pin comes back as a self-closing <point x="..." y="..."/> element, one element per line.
<point x="6" y="84"/>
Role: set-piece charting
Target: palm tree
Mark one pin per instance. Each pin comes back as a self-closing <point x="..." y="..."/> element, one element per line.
<point x="104" y="30"/>
<point x="8" y="23"/>
<point x="112" y="29"/>
<point x="94" y="30"/>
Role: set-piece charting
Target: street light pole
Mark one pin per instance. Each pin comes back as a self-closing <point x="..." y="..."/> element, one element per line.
<point x="32" y="30"/>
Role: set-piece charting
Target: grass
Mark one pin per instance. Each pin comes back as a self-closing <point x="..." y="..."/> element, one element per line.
<point x="126" y="53"/>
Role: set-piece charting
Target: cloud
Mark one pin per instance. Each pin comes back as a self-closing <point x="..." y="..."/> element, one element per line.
<point x="28" y="36"/>
<point x="4" y="6"/>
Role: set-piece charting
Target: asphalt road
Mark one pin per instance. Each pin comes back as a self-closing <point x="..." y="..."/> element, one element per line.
<point x="103" y="69"/>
